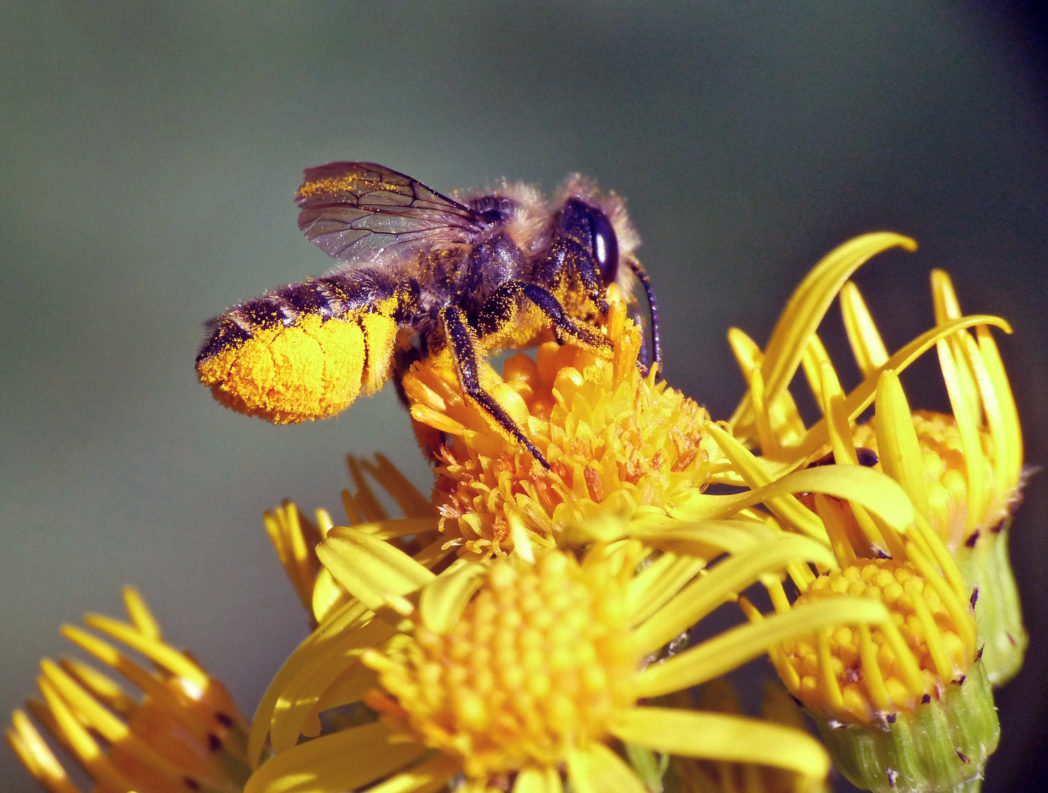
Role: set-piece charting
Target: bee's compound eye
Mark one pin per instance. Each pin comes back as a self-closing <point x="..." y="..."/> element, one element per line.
<point x="605" y="245"/>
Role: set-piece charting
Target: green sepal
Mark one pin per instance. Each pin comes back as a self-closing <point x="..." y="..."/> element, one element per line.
<point x="943" y="745"/>
<point x="650" y="766"/>
<point x="998" y="614"/>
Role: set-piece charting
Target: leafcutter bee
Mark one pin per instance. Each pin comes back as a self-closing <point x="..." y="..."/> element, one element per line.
<point x="419" y="273"/>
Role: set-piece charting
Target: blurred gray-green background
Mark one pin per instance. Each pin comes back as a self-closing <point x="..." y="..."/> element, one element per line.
<point x="149" y="154"/>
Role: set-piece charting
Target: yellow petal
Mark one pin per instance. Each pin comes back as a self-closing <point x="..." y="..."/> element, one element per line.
<point x="141" y="617"/>
<point x="426" y="777"/>
<point x="659" y="581"/>
<point x="731" y="576"/>
<point x="897" y="443"/>
<point x="333" y="763"/>
<point x="312" y="656"/>
<point x="442" y="602"/>
<point x="719" y="736"/>
<point x="537" y="780"/>
<point x="737" y="646"/>
<point x="863" y="336"/>
<point x="369" y="568"/>
<point x="596" y="769"/>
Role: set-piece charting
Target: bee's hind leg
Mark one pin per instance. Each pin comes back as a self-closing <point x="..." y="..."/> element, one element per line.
<point x="460" y="342"/>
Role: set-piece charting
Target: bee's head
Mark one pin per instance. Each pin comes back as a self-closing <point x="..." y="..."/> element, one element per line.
<point x="592" y="229"/>
<point x="598" y="223"/>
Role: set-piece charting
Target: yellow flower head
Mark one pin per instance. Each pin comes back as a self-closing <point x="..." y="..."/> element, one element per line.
<point x="513" y="673"/>
<point x="961" y="472"/>
<point x="862" y="675"/>
<point x="183" y="732"/>
<point x="621" y="444"/>
<point x="904" y="705"/>
<point x="541" y="660"/>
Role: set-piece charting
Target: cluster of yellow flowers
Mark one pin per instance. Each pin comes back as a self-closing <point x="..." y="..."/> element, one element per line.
<point x="537" y="630"/>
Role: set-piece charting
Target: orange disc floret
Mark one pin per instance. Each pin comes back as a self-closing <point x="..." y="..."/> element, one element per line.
<point x="863" y="674"/>
<point x="621" y="444"/>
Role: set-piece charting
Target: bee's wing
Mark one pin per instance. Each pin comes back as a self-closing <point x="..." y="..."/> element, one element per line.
<point x="356" y="210"/>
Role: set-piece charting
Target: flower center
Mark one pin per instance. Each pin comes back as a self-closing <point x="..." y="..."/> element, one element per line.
<point x="539" y="662"/>
<point x="618" y="442"/>
<point x="946" y="477"/>
<point x="860" y="674"/>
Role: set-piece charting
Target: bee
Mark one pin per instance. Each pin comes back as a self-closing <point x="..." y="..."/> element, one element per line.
<point x="420" y="273"/>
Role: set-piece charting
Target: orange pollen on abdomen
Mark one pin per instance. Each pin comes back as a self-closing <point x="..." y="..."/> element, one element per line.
<point x="309" y="370"/>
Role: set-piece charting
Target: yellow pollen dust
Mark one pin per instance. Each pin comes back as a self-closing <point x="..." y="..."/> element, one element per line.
<point x="346" y="183"/>
<point x="539" y="663"/>
<point x="946" y="477"/>
<point x="858" y="674"/>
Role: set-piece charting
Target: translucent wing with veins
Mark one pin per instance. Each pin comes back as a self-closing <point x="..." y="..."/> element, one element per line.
<point x="357" y="211"/>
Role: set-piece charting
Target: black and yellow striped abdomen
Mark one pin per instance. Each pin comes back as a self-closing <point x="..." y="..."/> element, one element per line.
<point x="300" y="353"/>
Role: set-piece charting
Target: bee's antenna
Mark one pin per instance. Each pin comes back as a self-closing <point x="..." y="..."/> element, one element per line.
<point x="653" y="308"/>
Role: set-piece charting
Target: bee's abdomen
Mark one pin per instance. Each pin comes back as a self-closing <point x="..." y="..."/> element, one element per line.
<point x="299" y="353"/>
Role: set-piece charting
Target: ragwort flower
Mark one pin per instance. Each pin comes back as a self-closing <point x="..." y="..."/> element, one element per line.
<point x="963" y="472"/>
<point x="181" y="732"/>
<point x="623" y="446"/>
<point x="629" y="455"/>
<point x="905" y="705"/>
<point x="522" y="674"/>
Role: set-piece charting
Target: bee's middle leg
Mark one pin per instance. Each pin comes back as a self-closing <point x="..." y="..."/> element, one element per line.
<point x="460" y="342"/>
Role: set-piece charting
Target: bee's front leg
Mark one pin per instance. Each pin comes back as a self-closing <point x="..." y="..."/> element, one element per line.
<point x="462" y="345"/>
<point x="498" y="311"/>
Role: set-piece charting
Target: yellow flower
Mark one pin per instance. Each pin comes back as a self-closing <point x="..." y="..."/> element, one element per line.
<point x="520" y="674"/>
<point x="623" y="446"/>
<point x="904" y="705"/>
<point x="884" y="670"/>
<point x="182" y="733"/>
<point x="962" y="472"/>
